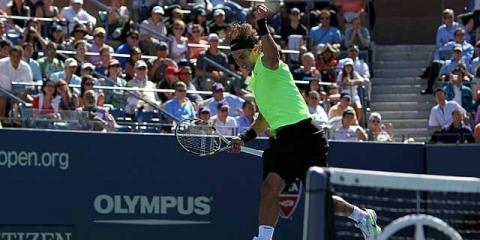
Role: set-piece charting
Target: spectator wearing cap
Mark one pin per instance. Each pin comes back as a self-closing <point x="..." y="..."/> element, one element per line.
<point x="156" y="72"/>
<point x="196" y="38"/>
<point x="324" y="33"/>
<point x="445" y="32"/>
<point x="295" y="27"/>
<point x="244" y="121"/>
<point x="99" y="119"/>
<point x="126" y="48"/>
<point x="68" y="74"/>
<point x="349" y="80"/>
<point x="360" y="66"/>
<point x="207" y="73"/>
<point x="456" y="132"/>
<point x="180" y="106"/>
<point x="316" y="110"/>
<point x="458" y="92"/>
<point x="377" y="131"/>
<point x="357" y="34"/>
<point x="204" y="114"/>
<point x="98" y="43"/>
<point x="115" y="97"/>
<point x="200" y="19"/>
<point x="79" y="32"/>
<point x="135" y="55"/>
<point x="105" y="58"/>
<point x="50" y="64"/>
<point x="87" y="69"/>
<point x="223" y="123"/>
<point x="235" y="103"/>
<point x="13" y="69"/>
<point x="185" y="75"/>
<point x="178" y="43"/>
<point x="74" y="13"/>
<point x="18" y="8"/>
<point x="34" y="65"/>
<point x="326" y="62"/>
<point x="348" y="132"/>
<point x="141" y="81"/>
<point x="171" y="78"/>
<point x="156" y="24"/>
<point x="441" y="114"/>
<point x="338" y="109"/>
<point x="218" y="25"/>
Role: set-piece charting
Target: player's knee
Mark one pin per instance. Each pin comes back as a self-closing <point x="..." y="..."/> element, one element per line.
<point x="272" y="186"/>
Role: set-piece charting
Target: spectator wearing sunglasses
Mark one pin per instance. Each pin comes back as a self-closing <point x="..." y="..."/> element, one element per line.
<point x="225" y="125"/>
<point x="316" y="110"/>
<point x="87" y="84"/>
<point x="126" y="48"/>
<point x="180" y="106"/>
<point x="324" y="33"/>
<point x="377" y="131"/>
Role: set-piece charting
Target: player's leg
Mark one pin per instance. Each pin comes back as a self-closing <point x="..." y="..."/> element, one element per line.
<point x="365" y="219"/>
<point x="272" y="186"/>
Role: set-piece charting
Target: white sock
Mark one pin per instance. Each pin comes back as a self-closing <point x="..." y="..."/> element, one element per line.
<point x="358" y="214"/>
<point x="265" y="232"/>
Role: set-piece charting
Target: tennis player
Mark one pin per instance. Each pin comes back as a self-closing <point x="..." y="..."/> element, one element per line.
<point x="298" y="144"/>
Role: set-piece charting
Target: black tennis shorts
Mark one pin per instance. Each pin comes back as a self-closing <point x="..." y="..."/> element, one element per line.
<point x="295" y="149"/>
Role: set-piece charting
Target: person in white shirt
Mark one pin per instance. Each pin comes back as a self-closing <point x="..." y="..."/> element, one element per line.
<point x="75" y="13"/>
<point x="359" y="65"/>
<point x="316" y="110"/>
<point x="224" y="124"/>
<point x="12" y="69"/>
<point x="348" y="132"/>
<point x="441" y="114"/>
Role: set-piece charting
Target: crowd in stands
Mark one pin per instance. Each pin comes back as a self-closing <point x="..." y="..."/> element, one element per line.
<point x="455" y="70"/>
<point x="156" y="45"/>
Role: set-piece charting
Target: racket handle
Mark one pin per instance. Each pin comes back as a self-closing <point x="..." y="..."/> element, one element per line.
<point x="252" y="151"/>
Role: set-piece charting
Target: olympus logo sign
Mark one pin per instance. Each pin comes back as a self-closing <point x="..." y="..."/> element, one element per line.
<point x="158" y="205"/>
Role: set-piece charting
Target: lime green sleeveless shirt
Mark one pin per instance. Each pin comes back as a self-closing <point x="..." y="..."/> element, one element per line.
<point x="277" y="96"/>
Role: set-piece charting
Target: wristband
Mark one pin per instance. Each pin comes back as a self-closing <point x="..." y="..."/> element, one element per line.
<point x="262" y="27"/>
<point x="247" y="136"/>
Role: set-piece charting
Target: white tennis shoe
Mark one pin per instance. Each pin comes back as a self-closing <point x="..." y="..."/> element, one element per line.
<point x="368" y="225"/>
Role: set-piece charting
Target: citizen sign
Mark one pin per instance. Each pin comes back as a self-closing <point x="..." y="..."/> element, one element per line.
<point x="158" y="205"/>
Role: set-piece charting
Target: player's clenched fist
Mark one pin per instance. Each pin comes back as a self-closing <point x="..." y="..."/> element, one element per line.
<point x="261" y="12"/>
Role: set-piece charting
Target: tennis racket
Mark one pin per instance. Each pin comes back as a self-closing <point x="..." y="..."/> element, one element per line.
<point x="202" y="139"/>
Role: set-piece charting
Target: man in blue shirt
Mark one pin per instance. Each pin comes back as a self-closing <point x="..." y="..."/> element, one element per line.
<point x="180" y="106"/>
<point x="249" y="109"/>
<point x="445" y="32"/>
<point x="126" y="48"/>
<point x="467" y="48"/>
<point x="234" y="102"/>
<point x="324" y="33"/>
<point x="68" y="74"/>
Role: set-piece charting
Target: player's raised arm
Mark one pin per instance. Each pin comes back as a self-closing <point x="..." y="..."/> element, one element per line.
<point x="271" y="57"/>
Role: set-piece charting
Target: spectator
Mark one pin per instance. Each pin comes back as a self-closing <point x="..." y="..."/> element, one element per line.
<point x="343" y="105"/>
<point x="171" y="78"/>
<point x="87" y="70"/>
<point x="360" y="66"/>
<point x="180" y="106"/>
<point x="159" y="65"/>
<point x="316" y="110"/>
<point x="78" y="33"/>
<point x="99" y="118"/>
<point x="456" y="132"/>
<point x="87" y="84"/>
<point x="141" y="81"/>
<point x="68" y="74"/>
<point x="135" y="55"/>
<point x="306" y="72"/>
<point x="18" y="8"/>
<point x="50" y="63"/>
<point x="176" y="15"/>
<point x="235" y="103"/>
<point x="196" y="38"/>
<point x="154" y="23"/>
<point x="458" y="92"/>
<point x="295" y="27"/>
<point x="200" y="19"/>
<point x="349" y="80"/>
<point x="445" y="32"/>
<point x="185" y="75"/>
<point x="98" y="44"/>
<point x="126" y="48"/>
<point x="75" y="13"/>
<point x="12" y="69"/>
<point x="47" y="10"/>
<point x="459" y="40"/>
<point x="115" y="97"/>
<point x="34" y="65"/>
<point x="376" y="130"/>
<point x="357" y="34"/>
<point x="105" y="59"/>
<point x="218" y="25"/>
<point x="204" y="114"/>
<point x="244" y="121"/>
<point x="178" y="43"/>
<point x="206" y="72"/>
<point x="324" y="33"/>
<point x="68" y="100"/>
<point x="5" y="46"/>
<point x="3" y="36"/>
<point x="441" y="114"/>
<point x="223" y="123"/>
<point x="118" y="17"/>
<point x="47" y="102"/>
<point x="476" y="133"/>
<point x="80" y="53"/>
<point x="349" y="10"/>
<point x="57" y="37"/>
<point x="347" y="132"/>
<point x="32" y="34"/>
<point x="327" y="63"/>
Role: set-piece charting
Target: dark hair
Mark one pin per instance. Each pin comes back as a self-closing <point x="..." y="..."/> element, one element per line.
<point x="44" y="83"/>
<point x="243" y="32"/>
<point x="348" y="112"/>
<point x="248" y="101"/>
<point x="16" y="49"/>
<point x="82" y="85"/>
<point x="460" y="69"/>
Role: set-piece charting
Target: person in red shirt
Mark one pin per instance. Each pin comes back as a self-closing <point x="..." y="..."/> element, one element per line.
<point x="327" y="63"/>
<point x="46" y="102"/>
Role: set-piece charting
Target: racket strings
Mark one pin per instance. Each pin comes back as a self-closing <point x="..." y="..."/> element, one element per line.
<point x="198" y="138"/>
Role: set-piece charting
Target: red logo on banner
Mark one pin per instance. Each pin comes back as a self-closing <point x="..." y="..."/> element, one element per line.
<point x="289" y="198"/>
